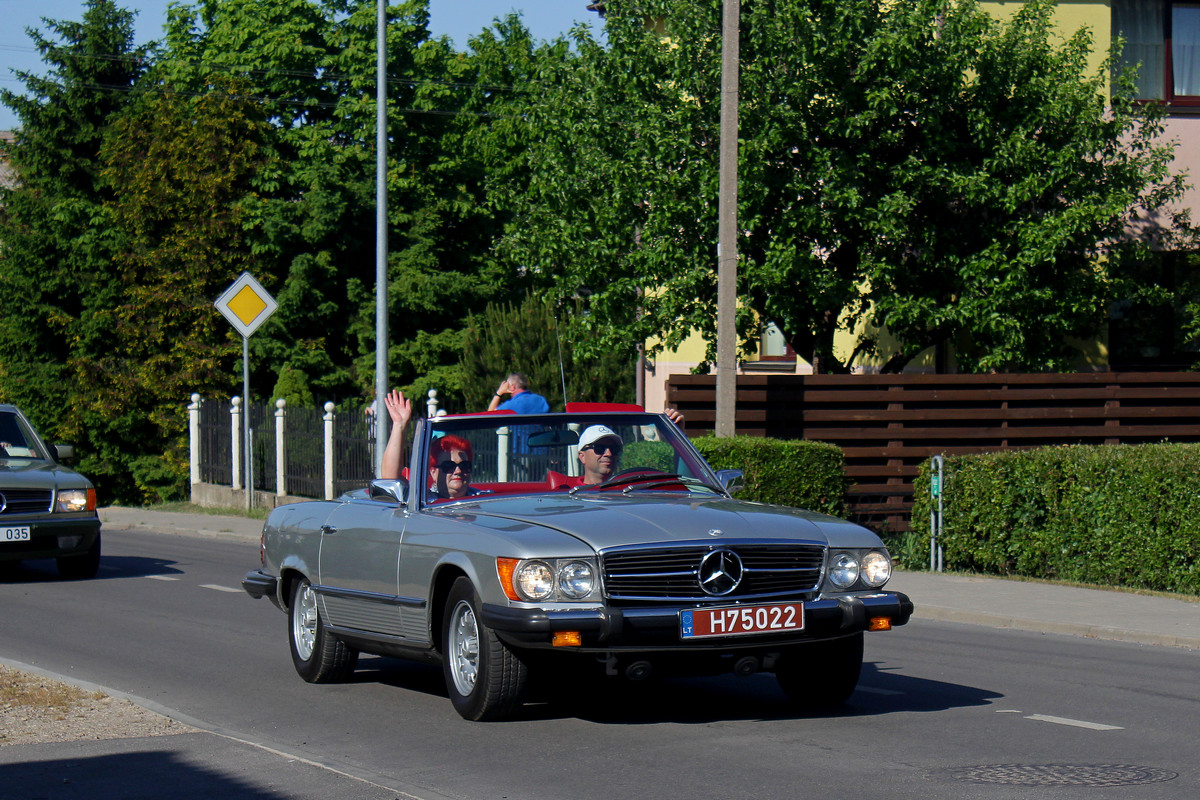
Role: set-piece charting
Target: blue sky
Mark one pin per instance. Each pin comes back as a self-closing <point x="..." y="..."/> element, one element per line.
<point x="455" y="18"/>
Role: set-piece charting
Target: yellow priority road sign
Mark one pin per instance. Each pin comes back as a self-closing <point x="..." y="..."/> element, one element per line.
<point x="246" y="304"/>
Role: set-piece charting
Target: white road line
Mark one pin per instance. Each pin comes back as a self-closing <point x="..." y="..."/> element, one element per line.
<point x="1076" y="723"/>
<point x="217" y="588"/>
<point x="162" y="578"/>
<point x="873" y="690"/>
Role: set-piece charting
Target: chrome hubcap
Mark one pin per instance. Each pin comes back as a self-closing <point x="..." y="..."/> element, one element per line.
<point x="304" y="622"/>
<point x="464" y="648"/>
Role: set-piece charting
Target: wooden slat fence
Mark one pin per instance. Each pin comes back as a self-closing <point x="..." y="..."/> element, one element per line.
<point x="888" y="424"/>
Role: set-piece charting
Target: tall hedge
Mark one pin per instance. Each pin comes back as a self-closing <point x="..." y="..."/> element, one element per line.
<point x="1117" y="515"/>
<point x="788" y="472"/>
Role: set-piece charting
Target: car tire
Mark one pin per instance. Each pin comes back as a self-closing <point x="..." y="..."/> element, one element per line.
<point x="485" y="679"/>
<point x="81" y="567"/>
<point x="821" y="676"/>
<point x="319" y="656"/>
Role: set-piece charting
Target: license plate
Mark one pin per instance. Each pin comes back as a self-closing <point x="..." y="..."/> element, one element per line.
<point x="698" y="623"/>
<point x="19" y="533"/>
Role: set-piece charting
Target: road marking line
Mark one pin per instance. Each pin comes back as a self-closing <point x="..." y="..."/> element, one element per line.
<point x="873" y="690"/>
<point x="162" y="578"/>
<point x="1095" y="726"/>
<point x="217" y="588"/>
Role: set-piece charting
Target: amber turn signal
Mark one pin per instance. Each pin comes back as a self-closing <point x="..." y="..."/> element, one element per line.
<point x="880" y="624"/>
<point x="567" y="639"/>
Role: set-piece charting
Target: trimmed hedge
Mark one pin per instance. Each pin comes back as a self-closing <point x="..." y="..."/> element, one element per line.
<point x="1114" y="515"/>
<point x="788" y="472"/>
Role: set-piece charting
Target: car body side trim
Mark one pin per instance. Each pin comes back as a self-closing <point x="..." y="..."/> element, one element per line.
<point x="372" y="597"/>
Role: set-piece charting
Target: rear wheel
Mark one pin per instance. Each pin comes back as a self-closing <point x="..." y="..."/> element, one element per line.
<point x="821" y="676"/>
<point x="81" y="567"/>
<point x="319" y="656"/>
<point x="484" y="677"/>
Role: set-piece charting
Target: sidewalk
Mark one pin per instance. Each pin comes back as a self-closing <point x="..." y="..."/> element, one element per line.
<point x="976" y="600"/>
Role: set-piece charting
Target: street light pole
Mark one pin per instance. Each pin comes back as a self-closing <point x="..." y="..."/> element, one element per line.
<point x="727" y="223"/>
<point x="381" y="247"/>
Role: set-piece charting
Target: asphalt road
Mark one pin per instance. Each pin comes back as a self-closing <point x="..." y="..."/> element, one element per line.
<point x="944" y="710"/>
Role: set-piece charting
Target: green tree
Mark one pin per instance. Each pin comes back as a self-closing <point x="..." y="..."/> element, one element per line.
<point x="179" y="167"/>
<point x="56" y="238"/>
<point x="919" y="167"/>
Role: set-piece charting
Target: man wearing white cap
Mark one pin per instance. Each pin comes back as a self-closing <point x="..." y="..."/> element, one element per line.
<point x="599" y="453"/>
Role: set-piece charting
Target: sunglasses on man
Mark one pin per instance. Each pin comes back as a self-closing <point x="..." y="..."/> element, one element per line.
<point x="599" y="448"/>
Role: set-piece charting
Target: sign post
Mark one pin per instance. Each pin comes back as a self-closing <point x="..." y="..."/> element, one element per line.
<point x="246" y="304"/>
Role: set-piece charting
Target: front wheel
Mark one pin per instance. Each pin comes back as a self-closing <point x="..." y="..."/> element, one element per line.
<point x="484" y="677"/>
<point x="81" y="567"/>
<point x="821" y="676"/>
<point x="318" y="655"/>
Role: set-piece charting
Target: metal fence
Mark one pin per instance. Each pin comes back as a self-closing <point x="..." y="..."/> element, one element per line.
<point x="324" y="453"/>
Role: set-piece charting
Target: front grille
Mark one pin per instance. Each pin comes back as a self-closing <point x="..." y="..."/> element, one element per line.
<point x="671" y="573"/>
<point x="24" y="501"/>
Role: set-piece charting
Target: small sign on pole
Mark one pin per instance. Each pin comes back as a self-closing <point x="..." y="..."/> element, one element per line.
<point x="246" y="304"/>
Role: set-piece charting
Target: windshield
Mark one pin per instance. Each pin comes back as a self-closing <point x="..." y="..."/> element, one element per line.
<point x="16" y="438"/>
<point x="471" y="456"/>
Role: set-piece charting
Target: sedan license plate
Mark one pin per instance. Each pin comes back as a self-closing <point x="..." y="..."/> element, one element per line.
<point x="698" y="623"/>
<point x="19" y="533"/>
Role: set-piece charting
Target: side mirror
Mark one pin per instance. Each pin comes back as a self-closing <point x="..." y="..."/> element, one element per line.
<point x="390" y="490"/>
<point x="732" y="480"/>
<point x="63" y="452"/>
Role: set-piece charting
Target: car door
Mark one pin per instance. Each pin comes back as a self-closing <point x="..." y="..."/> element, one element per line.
<point x="360" y="553"/>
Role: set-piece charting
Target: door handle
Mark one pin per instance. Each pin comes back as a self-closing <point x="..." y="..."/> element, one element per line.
<point x="328" y="529"/>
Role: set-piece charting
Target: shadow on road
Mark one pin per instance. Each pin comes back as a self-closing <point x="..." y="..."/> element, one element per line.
<point x="696" y="700"/>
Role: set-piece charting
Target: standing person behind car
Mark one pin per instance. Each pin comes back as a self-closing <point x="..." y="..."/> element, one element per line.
<point x="520" y="400"/>
<point x="599" y="453"/>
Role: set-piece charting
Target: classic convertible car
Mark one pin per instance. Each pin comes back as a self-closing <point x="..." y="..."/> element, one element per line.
<point x="523" y="546"/>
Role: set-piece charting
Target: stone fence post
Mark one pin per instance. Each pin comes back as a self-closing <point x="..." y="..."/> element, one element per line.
<point x="194" y="438"/>
<point x="280" y="450"/>
<point x="235" y="412"/>
<point x="329" y="416"/>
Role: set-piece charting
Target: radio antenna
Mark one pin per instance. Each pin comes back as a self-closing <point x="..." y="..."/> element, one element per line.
<point x="561" y="371"/>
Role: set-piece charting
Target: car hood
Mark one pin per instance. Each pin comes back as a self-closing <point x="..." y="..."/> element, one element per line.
<point x="607" y="520"/>
<point x="30" y="473"/>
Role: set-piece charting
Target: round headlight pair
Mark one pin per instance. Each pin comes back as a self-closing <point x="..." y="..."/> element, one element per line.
<point x="874" y="569"/>
<point x="536" y="580"/>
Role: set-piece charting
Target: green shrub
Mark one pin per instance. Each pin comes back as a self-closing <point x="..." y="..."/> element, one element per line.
<point x="789" y="472"/>
<point x="1117" y="515"/>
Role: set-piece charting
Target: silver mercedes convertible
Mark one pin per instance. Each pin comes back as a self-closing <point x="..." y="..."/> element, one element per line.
<point x="520" y="547"/>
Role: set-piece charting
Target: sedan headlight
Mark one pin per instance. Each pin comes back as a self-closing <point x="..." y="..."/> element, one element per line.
<point x="876" y="569"/>
<point x="843" y="570"/>
<point x="76" y="500"/>
<point x="551" y="580"/>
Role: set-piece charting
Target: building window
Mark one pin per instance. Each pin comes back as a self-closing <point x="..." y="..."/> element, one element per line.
<point x="1162" y="39"/>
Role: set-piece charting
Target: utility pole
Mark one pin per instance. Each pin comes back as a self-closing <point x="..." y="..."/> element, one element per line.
<point x="381" y="245"/>
<point x="727" y="223"/>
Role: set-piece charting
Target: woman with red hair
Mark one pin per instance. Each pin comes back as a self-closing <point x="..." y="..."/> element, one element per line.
<point x="450" y="468"/>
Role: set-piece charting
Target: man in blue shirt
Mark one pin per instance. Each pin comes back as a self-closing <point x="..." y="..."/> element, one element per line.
<point x="521" y="400"/>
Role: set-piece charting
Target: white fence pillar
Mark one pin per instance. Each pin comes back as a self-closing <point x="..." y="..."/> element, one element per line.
<point x="235" y="412"/>
<point x="194" y="438"/>
<point x="280" y="450"/>
<point x="431" y="404"/>
<point x="329" y="416"/>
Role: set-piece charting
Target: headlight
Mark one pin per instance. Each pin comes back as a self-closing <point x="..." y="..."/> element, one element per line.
<point x="576" y="579"/>
<point x="534" y="580"/>
<point x="553" y="580"/>
<point x="876" y="568"/>
<point x="843" y="570"/>
<point x="76" y="500"/>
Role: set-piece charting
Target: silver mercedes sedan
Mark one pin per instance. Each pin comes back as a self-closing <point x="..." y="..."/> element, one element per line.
<point x="519" y="547"/>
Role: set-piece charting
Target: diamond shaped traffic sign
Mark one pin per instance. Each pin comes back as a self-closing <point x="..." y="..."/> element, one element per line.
<point x="246" y="304"/>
